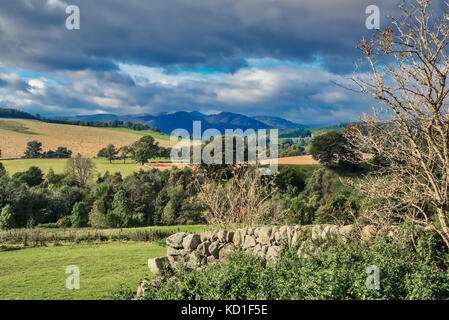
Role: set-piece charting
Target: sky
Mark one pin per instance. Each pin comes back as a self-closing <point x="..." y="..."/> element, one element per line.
<point x="285" y="58"/>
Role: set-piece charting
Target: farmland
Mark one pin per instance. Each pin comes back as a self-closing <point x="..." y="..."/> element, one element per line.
<point x="39" y="272"/>
<point x="15" y="133"/>
<point x="58" y="165"/>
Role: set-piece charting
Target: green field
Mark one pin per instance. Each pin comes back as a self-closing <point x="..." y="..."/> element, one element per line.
<point x="39" y="272"/>
<point x="58" y="165"/>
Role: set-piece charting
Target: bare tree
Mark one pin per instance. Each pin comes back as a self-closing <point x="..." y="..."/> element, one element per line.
<point x="81" y="168"/>
<point x="244" y="199"/>
<point x="408" y="69"/>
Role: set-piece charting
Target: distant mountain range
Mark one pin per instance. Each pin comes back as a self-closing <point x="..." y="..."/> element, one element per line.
<point x="167" y="122"/>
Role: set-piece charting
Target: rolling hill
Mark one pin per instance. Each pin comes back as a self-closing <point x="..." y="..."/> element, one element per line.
<point x="169" y="121"/>
<point x="15" y="133"/>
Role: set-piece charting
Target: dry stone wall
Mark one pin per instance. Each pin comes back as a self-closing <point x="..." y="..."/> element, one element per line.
<point x="196" y="251"/>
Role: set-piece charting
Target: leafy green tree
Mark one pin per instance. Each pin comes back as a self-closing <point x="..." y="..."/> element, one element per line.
<point x="55" y="179"/>
<point x="97" y="216"/>
<point x="2" y="170"/>
<point x="110" y="152"/>
<point x="102" y="153"/>
<point x="332" y="148"/>
<point x="173" y="208"/>
<point x="33" y="150"/>
<point x="121" y="208"/>
<point x="145" y="148"/>
<point x="32" y="177"/>
<point x="79" y="216"/>
<point x="7" y="218"/>
<point x="289" y="180"/>
<point x="60" y="153"/>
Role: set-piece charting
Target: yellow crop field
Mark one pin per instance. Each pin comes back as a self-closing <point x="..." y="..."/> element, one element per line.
<point x="15" y="133"/>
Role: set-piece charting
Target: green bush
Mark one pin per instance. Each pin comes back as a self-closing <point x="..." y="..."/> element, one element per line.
<point x="80" y="215"/>
<point x="325" y="199"/>
<point x="50" y="225"/>
<point x="64" y="222"/>
<point x="7" y="218"/>
<point x="339" y="272"/>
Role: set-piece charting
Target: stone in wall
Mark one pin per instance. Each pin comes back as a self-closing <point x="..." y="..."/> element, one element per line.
<point x="176" y="240"/>
<point x="157" y="265"/>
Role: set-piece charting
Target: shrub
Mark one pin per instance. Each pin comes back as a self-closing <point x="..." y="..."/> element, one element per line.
<point x="97" y="216"/>
<point x="289" y="180"/>
<point x="32" y="177"/>
<point x="64" y="222"/>
<point x="50" y="225"/>
<point x="80" y="215"/>
<point x="2" y="168"/>
<point x="7" y="218"/>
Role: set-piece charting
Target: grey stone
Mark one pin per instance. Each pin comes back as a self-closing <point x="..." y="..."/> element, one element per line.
<point x="157" y="265"/>
<point x="221" y="235"/>
<point x="257" y="248"/>
<point x="203" y="248"/>
<point x="273" y="231"/>
<point x="273" y="252"/>
<point x="191" y="241"/>
<point x="184" y="253"/>
<point x="213" y="236"/>
<point x="249" y="242"/>
<point x="277" y="237"/>
<point x="295" y="238"/>
<point x="317" y="232"/>
<point x="142" y="288"/>
<point x="368" y="233"/>
<point x="264" y="249"/>
<point x="264" y="235"/>
<point x="214" y="248"/>
<point x="205" y="236"/>
<point x="238" y="238"/>
<point x="328" y="231"/>
<point x="225" y="251"/>
<point x="173" y="261"/>
<point x="175" y="240"/>
<point x="211" y="259"/>
<point x="290" y="232"/>
<point x="173" y="252"/>
<point x="230" y="236"/>
<point x="345" y="231"/>
<point x="193" y="261"/>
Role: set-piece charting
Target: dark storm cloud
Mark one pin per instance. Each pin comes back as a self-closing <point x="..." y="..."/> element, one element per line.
<point x="256" y="57"/>
<point x="185" y="33"/>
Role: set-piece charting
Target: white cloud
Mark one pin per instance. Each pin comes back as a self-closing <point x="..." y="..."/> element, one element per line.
<point x="331" y="97"/>
<point x="58" y="4"/>
<point x="38" y="86"/>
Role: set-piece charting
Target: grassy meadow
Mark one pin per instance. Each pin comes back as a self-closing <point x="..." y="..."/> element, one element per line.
<point x="38" y="272"/>
<point x="58" y="165"/>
